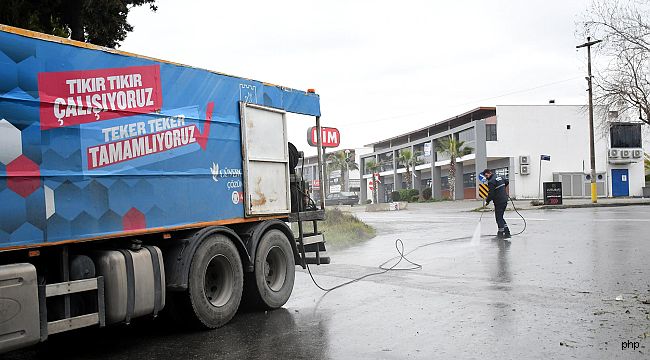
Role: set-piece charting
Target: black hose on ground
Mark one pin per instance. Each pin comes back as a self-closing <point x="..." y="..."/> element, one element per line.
<point x="399" y="246"/>
<point x="517" y="211"/>
<point x="521" y="216"/>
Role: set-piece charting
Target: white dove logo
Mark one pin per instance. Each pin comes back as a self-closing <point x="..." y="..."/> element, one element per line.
<point x="215" y="172"/>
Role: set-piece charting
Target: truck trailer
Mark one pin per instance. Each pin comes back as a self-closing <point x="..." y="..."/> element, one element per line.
<point x="131" y="185"/>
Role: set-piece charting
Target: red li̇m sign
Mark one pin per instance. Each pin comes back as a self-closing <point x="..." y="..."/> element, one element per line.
<point x="331" y="136"/>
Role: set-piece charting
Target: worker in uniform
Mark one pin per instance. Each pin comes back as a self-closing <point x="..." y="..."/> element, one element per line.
<point x="497" y="193"/>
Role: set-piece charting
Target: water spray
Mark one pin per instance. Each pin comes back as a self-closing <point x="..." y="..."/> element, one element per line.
<point x="476" y="237"/>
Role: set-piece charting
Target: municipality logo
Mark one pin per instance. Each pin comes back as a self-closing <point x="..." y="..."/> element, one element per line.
<point x="214" y="170"/>
<point x="219" y="172"/>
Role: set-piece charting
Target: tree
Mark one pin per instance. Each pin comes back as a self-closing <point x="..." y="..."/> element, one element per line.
<point x="339" y="160"/>
<point x="455" y="149"/>
<point x="373" y="166"/>
<point x="409" y="160"/>
<point x="624" y="26"/>
<point x="102" y="23"/>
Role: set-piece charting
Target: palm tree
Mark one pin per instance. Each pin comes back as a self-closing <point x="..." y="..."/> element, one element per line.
<point x="409" y="160"/>
<point x="339" y="160"/>
<point x="455" y="149"/>
<point x="373" y="166"/>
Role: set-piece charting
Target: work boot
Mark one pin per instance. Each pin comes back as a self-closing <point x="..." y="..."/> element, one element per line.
<point x="506" y="233"/>
<point x="500" y="234"/>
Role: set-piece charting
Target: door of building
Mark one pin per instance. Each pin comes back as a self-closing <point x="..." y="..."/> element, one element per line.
<point x="388" y="189"/>
<point x="620" y="182"/>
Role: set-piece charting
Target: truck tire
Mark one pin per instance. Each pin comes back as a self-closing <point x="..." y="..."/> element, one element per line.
<point x="271" y="284"/>
<point x="215" y="285"/>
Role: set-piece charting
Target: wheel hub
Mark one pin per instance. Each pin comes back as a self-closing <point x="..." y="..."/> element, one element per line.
<point x="275" y="268"/>
<point x="218" y="283"/>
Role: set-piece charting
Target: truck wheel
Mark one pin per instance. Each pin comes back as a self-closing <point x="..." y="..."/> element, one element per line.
<point x="271" y="284"/>
<point x="215" y="284"/>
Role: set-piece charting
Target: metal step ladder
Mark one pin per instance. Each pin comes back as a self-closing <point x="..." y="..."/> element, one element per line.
<point x="65" y="289"/>
<point x="311" y="242"/>
<point x="69" y="322"/>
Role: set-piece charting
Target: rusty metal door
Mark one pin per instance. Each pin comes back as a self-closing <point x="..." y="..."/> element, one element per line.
<point x="265" y="160"/>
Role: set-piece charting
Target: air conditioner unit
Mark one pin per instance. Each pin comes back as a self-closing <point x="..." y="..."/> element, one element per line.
<point x="524" y="160"/>
<point x="613" y="153"/>
<point x="625" y="153"/>
<point x="637" y="153"/>
<point x="524" y="170"/>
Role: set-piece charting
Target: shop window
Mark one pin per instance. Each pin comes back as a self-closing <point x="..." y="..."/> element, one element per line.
<point x="444" y="183"/>
<point x="469" y="180"/>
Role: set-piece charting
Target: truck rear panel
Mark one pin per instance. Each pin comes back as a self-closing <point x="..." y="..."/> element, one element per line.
<point x="98" y="143"/>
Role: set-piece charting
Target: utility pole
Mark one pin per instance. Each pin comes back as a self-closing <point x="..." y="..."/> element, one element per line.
<point x="539" y="181"/>
<point x="592" y="155"/>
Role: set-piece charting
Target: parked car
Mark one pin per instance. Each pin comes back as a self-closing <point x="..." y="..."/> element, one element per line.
<point x="342" y="198"/>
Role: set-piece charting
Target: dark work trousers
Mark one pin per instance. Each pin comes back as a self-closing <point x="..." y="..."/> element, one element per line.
<point x="499" y="209"/>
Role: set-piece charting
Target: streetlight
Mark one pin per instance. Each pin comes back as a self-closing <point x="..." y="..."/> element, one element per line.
<point x="592" y="155"/>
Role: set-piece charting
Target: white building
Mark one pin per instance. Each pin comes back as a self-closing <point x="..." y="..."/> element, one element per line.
<point x="511" y="139"/>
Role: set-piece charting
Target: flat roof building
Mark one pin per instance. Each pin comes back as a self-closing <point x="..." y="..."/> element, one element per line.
<point x="511" y="139"/>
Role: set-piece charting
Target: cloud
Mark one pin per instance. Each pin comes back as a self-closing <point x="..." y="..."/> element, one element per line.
<point x="413" y="62"/>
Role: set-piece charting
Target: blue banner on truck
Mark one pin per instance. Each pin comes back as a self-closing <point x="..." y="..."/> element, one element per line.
<point x="96" y="142"/>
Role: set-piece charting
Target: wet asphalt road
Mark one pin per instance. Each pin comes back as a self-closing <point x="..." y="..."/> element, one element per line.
<point x="550" y="293"/>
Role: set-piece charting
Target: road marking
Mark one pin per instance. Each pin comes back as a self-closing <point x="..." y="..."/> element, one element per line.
<point x="527" y="219"/>
<point x="410" y="219"/>
<point x="623" y="220"/>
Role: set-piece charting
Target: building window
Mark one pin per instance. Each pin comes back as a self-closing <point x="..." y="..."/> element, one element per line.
<point x="444" y="183"/>
<point x="423" y="155"/>
<point x="491" y="132"/>
<point x="364" y="161"/>
<point x="386" y="161"/>
<point x="503" y="172"/>
<point x="625" y="135"/>
<point x="467" y="136"/>
<point x="401" y="165"/>
<point x="442" y="156"/>
<point x="469" y="180"/>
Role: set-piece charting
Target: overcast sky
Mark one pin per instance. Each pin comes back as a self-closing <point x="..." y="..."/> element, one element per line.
<point x="381" y="67"/>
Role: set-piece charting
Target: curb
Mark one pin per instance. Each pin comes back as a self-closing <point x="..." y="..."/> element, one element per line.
<point x="578" y="206"/>
<point x="567" y="206"/>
